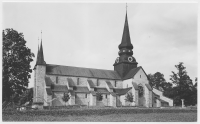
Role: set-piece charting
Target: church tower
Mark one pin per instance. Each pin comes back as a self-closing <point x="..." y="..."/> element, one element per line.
<point x="39" y="76"/>
<point x="125" y="62"/>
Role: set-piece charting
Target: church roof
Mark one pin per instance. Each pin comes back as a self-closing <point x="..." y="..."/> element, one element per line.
<point x="71" y="92"/>
<point x="131" y="73"/>
<point x="121" y="91"/>
<point x="101" y="90"/>
<point x="48" y="81"/>
<point x="49" y="92"/>
<point x="60" y="88"/>
<point x="71" y="82"/>
<point x="80" y="89"/>
<point x="155" y="95"/>
<point x="109" y="84"/>
<point x="135" y="85"/>
<point x="91" y="84"/>
<point x="81" y="72"/>
<point x="149" y="87"/>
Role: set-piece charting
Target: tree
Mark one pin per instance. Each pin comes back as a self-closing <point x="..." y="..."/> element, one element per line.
<point x="16" y="64"/>
<point x="129" y="97"/>
<point x="27" y="96"/>
<point x="66" y="97"/>
<point x="183" y="86"/>
<point x="158" y="81"/>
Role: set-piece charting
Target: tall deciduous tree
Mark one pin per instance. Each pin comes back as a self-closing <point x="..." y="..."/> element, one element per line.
<point x="158" y="81"/>
<point x="183" y="86"/>
<point x="16" y="63"/>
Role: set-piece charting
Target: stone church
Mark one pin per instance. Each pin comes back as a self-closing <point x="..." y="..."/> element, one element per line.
<point x="83" y="84"/>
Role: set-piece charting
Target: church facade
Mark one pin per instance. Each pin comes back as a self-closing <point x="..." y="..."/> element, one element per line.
<point x="84" y="84"/>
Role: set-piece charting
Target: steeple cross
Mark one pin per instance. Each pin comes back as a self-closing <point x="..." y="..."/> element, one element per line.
<point x="126" y="6"/>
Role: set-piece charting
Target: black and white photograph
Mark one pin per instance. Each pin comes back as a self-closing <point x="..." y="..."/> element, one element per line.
<point x="99" y="61"/>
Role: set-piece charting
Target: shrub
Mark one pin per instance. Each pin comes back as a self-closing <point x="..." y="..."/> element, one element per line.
<point x="129" y="97"/>
<point x="66" y="97"/>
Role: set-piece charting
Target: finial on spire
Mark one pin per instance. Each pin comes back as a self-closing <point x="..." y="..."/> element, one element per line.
<point x="126" y="7"/>
<point x="41" y="35"/>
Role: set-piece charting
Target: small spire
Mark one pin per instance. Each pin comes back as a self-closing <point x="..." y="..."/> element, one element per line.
<point x="40" y="57"/>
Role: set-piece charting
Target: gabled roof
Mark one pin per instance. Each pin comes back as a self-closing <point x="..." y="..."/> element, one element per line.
<point x="109" y="84"/>
<point x="80" y="89"/>
<point x="49" y="92"/>
<point x="121" y="91"/>
<point x="91" y="84"/>
<point x="60" y="88"/>
<point x="135" y="85"/>
<point x="155" y="95"/>
<point x="71" y="82"/>
<point x="163" y="101"/>
<point x="101" y="90"/>
<point x="149" y="87"/>
<point x="132" y="73"/>
<point x="81" y="72"/>
<point x="48" y="81"/>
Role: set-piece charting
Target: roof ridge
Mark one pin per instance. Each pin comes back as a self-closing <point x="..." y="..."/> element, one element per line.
<point x="80" y="67"/>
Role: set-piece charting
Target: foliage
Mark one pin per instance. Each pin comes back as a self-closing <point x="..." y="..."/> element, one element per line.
<point x="99" y="96"/>
<point x="16" y="64"/>
<point x="129" y="97"/>
<point x="158" y="81"/>
<point x="183" y="87"/>
<point x="66" y="97"/>
<point x="27" y="97"/>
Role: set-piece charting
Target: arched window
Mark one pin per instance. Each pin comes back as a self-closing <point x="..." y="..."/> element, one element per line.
<point x="140" y="91"/>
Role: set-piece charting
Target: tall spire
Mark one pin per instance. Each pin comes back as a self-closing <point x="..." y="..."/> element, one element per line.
<point x="125" y="62"/>
<point x="126" y="40"/>
<point x="40" y="56"/>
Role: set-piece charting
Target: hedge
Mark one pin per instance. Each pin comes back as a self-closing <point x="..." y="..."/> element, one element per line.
<point x="80" y="112"/>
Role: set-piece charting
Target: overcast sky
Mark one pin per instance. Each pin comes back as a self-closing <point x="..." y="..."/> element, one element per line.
<point x="88" y="34"/>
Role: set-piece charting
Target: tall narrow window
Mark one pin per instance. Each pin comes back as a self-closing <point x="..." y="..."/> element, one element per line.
<point x="56" y="80"/>
<point x="97" y="82"/>
<point x="77" y="81"/>
<point x="115" y="83"/>
<point x="140" y="76"/>
<point x="106" y="96"/>
<point x="86" y="95"/>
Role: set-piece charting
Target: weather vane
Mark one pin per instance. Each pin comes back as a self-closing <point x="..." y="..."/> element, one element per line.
<point x="41" y="34"/>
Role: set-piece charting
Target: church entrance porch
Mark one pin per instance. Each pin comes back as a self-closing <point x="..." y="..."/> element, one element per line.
<point x="141" y="99"/>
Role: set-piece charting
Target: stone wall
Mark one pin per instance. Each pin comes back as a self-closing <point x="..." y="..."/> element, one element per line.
<point x="80" y="99"/>
<point x="40" y="82"/>
<point x="58" y="101"/>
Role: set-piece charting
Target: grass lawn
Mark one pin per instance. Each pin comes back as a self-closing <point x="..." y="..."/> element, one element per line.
<point x="105" y="115"/>
<point x="150" y="117"/>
